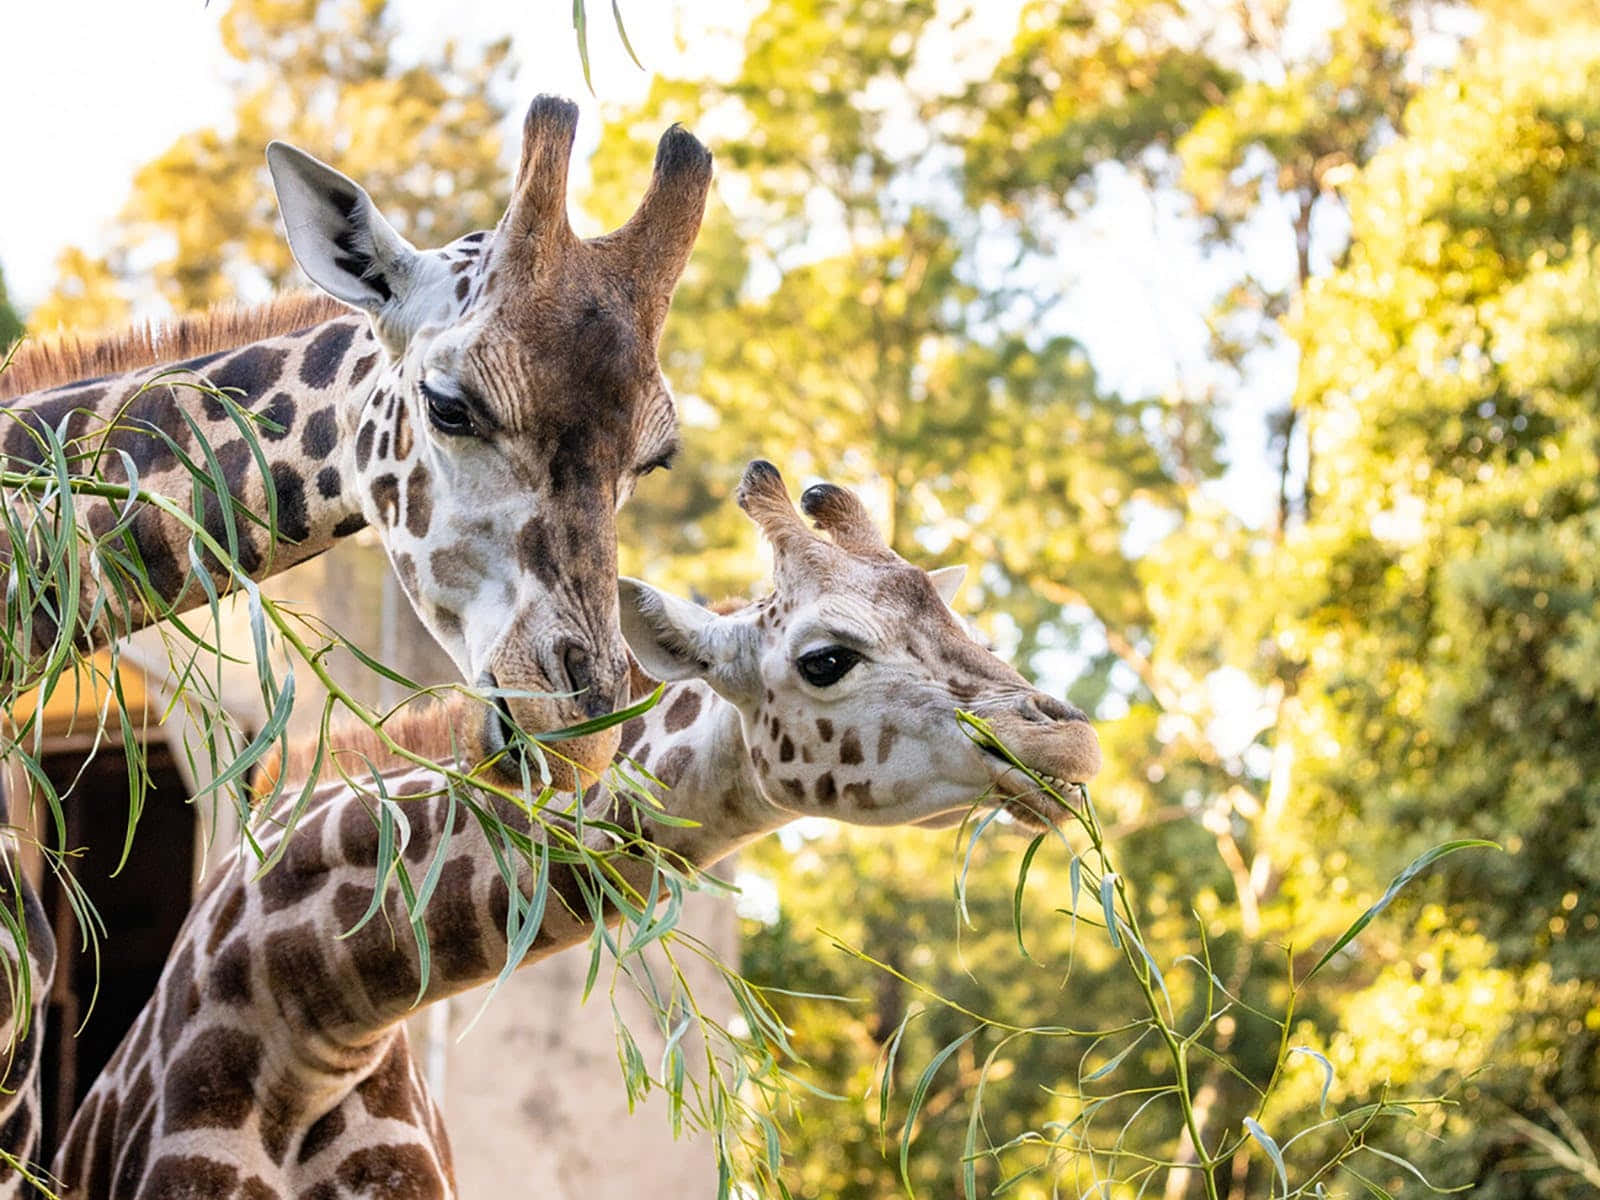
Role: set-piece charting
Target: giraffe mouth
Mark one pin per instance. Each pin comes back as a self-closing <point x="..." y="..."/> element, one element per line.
<point x="500" y="740"/>
<point x="1026" y="802"/>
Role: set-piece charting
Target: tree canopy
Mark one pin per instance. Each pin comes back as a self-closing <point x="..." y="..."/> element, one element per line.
<point x="1402" y="652"/>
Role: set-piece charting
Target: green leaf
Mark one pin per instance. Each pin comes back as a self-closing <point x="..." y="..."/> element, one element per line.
<point x="1417" y="865"/>
<point x="1264" y="1139"/>
<point x="1016" y="895"/>
<point x="919" y="1094"/>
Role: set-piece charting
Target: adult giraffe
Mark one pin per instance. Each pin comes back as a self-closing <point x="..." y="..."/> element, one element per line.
<point x="273" y="1058"/>
<point x="487" y="416"/>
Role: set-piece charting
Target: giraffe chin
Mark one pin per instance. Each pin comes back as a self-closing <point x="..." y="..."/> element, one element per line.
<point x="572" y="763"/>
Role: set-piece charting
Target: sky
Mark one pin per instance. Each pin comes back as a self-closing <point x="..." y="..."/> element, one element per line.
<point x="142" y="73"/>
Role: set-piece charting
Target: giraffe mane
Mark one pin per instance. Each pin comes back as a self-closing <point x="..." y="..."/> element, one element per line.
<point x="434" y="729"/>
<point x="57" y="359"/>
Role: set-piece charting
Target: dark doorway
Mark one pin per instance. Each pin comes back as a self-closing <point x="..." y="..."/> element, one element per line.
<point x="143" y="908"/>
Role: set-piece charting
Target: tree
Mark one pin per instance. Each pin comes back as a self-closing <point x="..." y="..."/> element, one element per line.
<point x="326" y="75"/>
<point x="1453" y="363"/>
<point x="10" y="322"/>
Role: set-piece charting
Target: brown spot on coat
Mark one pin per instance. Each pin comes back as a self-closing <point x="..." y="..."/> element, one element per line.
<point x="859" y="796"/>
<point x="825" y="729"/>
<point x="386" y="498"/>
<point x="850" y="748"/>
<point x="827" y="791"/>
<point x="886" y="738"/>
<point x="673" y="764"/>
<point x="387" y="1092"/>
<point x="212" y="1084"/>
<point x="419" y="503"/>
<point x="404" y="1172"/>
<point x="683" y="710"/>
<point x="323" y="1133"/>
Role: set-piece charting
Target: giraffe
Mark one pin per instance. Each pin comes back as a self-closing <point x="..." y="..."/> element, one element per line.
<point x="485" y="407"/>
<point x="273" y="1060"/>
<point x="21" y="1026"/>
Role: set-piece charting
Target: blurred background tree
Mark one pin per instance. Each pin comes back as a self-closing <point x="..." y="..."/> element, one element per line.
<point x="10" y="322"/>
<point x="200" y="224"/>
<point x="1330" y="593"/>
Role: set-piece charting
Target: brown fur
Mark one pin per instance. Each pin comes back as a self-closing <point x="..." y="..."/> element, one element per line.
<point x="426" y="729"/>
<point x="50" y="362"/>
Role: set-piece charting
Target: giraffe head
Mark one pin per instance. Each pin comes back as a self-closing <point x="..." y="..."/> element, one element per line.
<point x="848" y="676"/>
<point x="519" y="402"/>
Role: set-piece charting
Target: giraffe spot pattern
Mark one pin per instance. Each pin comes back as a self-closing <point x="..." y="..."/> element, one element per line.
<point x="230" y="973"/>
<point x="673" y="763"/>
<point x="277" y="419"/>
<point x="536" y="554"/>
<point x="859" y="795"/>
<point x="320" y="435"/>
<point x="324" y="1132"/>
<point x="386" y="498"/>
<point x="354" y="523"/>
<point x="212" y="1084"/>
<point x="381" y="950"/>
<point x="683" y="710"/>
<point x="189" y="1177"/>
<point x="786" y="749"/>
<point x="827" y="790"/>
<point x="850" y="748"/>
<point x="886" y="737"/>
<point x="452" y="924"/>
<point x="402" y="434"/>
<point x="298" y="976"/>
<point x="329" y="484"/>
<point x="825" y="729"/>
<point x="246" y="376"/>
<point x="363" y="368"/>
<point x="364" y="438"/>
<point x="176" y="1012"/>
<point x="386" y="1093"/>
<point x="419" y="502"/>
<point x="358" y="836"/>
<point x="404" y="1172"/>
<point x="320" y="366"/>
<point x="293" y="520"/>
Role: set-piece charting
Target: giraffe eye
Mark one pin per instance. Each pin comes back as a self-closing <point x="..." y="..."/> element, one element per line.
<point x="447" y="413"/>
<point x="825" y="667"/>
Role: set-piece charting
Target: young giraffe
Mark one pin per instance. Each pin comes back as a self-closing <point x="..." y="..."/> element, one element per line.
<point x="500" y="394"/>
<point x="273" y="1061"/>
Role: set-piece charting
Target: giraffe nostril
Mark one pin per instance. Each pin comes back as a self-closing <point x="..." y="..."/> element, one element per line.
<point x="578" y="666"/>
<point x="1040" y="707"/>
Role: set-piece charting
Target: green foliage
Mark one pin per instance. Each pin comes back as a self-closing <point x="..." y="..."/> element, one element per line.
<point x="1452" y="365"/>
<point x="327" y="75"/>
<point x="10" y="322"/>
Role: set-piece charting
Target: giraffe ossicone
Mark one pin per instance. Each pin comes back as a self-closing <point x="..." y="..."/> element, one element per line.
<point x="486" y="411"/>
<point x="273" y="1060"/>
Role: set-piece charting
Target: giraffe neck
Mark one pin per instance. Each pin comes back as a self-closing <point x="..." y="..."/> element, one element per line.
<point x="305" y="388"/>
<point x="692" y="742"/>
<point x="271" y="1033"/>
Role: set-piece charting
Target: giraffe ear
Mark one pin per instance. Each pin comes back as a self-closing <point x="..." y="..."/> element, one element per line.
<point x="674" y="639"/>
<point x="947" y="581"/>
<point x="336" y="233"/>
<point x="669" y="636"/>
